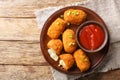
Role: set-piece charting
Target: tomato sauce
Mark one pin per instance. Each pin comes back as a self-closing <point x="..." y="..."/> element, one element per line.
<point x="91" y="36"/>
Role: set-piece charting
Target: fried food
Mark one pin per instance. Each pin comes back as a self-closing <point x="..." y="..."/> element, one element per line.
<point x="69" y="41"/>
<point x="53" y="54"/>
<point x="55" y="44"/>
<point x="74" y="16"/>
<point x="56" y="28"/>
<point x="66" y="61"/>
<point x="82" y="60"/>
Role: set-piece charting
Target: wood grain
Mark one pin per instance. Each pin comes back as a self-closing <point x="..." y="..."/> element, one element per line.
<point x="12" y="72"/>
<point x="19" y="29"/>
<point x="26" y="8"/>
<point x="19" y="42"/>
<point x="21" y="53"/>
<point x="110" y="75"/>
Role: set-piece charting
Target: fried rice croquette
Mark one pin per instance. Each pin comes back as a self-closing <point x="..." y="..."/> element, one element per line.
<point x="82" y="60"/>
<point x="74" y="16"/>
<point x="69" y="41"/>
<point x="66" y="61"/>
<point x="56" y="28"/>
<point x="55" y="44"/>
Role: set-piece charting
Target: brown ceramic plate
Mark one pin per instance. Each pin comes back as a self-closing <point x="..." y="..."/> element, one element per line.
<point x="95" y="59"/>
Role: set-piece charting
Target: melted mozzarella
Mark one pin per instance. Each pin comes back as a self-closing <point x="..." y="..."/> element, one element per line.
<point x="53" y="54"/>
<point x="62" y="63"/>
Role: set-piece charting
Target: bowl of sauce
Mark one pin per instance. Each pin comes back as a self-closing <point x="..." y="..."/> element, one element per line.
<point x="91" y="36"/>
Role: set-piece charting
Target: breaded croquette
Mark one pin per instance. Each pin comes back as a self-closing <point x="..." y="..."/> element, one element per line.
<point x="69" y="41"/>
<point x="55" y="44"/>
<point x="66" y="61"/>
<point x="74" y="16"/>
<point x="82" y="60"/>
<point x="56" y="28"/>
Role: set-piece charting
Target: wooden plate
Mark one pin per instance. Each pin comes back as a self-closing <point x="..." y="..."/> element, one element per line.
<point x="95" y="58"/>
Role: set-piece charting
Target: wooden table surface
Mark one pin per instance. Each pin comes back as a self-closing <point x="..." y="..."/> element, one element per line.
<point x="20" y="55"/>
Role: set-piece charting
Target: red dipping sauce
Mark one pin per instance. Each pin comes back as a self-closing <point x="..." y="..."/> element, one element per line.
<point x="91" y="36"/>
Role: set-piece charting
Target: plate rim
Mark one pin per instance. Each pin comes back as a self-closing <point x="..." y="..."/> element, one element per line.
<point x="57" y="11"/>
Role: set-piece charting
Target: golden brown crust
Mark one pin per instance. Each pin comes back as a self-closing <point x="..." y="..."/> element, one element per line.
<point x="69" y="41"/>
<point x="55" y="44"/>
<point x="82" y="60"/>
<point x="74" y="16"/>
<point x="56" y="28"/>
<point x="68" y="60"/>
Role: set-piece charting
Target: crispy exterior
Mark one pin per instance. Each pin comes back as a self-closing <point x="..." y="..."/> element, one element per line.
<point x="55" y="44"/>
<point x="68" y="60"/>
<point x="82" y="60"/>
<point x="75" y="16"/>
<point x="69" y="41"/>
<point x="56" y="28"/>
